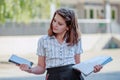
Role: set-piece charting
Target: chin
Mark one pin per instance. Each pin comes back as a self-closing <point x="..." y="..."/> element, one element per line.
<point x="55" y="31"/>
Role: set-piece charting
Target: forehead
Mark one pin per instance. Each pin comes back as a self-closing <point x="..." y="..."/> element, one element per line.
<point x="59" y="18"/>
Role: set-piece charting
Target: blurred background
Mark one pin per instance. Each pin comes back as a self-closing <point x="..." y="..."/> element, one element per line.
<point x="23" y="22"/>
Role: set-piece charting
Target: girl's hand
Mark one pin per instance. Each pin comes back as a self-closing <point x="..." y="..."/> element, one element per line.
<point x="97" y="68"/>
<point x="25" y="67"/>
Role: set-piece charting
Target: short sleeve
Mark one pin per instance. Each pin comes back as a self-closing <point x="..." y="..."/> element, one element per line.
<point x="79" y="49"/>
<point x="40" y="47"/>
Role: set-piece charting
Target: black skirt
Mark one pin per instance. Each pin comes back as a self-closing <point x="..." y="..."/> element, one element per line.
<point x="63" y="73"/>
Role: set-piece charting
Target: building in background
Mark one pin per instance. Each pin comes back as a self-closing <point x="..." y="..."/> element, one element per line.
<point x="95" y="10"/>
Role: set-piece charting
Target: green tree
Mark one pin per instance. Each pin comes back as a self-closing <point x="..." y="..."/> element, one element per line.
<point x="25" y="10"/>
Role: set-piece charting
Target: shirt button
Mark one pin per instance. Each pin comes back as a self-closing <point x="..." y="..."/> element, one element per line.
<point x="60" y="49"/>
<point x="60" y="53"/>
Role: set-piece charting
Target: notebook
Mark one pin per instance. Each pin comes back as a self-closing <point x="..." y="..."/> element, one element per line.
<point x="87" y="67"/>
<point x="19" y="60"/>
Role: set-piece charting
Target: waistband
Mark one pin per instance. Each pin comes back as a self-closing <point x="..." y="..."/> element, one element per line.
<point x="59" y="69"/>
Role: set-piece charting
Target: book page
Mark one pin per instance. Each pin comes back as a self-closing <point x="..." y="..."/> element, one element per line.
<point x="87" y="66"/>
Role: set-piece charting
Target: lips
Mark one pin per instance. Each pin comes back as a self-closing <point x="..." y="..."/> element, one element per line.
<point x="54" y="28"/>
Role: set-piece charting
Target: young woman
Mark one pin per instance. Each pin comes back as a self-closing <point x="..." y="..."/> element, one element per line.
<point x="60" y="49"/>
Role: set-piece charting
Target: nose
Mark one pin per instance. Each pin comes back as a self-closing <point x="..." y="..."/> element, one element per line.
<point x="55" y="24"/>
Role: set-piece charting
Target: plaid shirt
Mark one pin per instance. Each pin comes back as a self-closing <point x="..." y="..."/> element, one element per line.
<point x="57" y="54"/>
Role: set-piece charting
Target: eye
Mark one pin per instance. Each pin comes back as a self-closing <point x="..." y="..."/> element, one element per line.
<point x="54" y="20"/>
<point x="60" y="23"/>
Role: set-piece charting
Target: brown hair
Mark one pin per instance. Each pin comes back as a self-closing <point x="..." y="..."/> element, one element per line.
<point x="72" y="35"/>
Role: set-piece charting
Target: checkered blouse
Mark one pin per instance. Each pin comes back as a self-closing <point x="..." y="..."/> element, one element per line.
<point x="57" y="54"/>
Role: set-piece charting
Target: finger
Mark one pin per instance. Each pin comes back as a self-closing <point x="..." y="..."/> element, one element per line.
<point x="17" y="64"/>
<point x="24" y="67"/>
<point x="97" y="68"/>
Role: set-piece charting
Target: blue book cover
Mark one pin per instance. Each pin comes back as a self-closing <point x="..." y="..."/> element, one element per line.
<point x="19" y="60"/>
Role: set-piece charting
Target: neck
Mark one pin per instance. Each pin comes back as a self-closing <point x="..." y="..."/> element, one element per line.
<point x="60" y="37"/>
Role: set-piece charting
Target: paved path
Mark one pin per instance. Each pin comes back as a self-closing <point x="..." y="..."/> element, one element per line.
<point x="98" y="76"/>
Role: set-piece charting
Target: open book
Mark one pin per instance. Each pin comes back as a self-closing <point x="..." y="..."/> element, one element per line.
<point x="87" y="66"/>
<point x="19" y="60"/>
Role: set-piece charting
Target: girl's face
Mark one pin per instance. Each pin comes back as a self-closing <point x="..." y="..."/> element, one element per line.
<point x="58" y="25"/>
